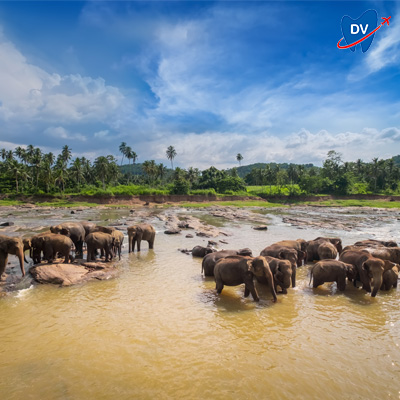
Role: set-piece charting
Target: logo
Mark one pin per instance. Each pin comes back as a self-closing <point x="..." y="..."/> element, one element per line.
<point x="361" y="30"/>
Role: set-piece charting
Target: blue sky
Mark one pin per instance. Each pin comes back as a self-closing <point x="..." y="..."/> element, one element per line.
<point x="210" y="78"/>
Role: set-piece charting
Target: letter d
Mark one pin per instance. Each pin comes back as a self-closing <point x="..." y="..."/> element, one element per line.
<point x="352" y="29"/>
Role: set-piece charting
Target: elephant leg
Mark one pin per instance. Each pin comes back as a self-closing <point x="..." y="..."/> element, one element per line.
<point x="138" y="244"/>
<point x="395" y="284"/>
<point x="3" y="263"/>
<point x="151" y="242"/>
<point x="89" y="252"/>
<point x="341" y="282"/>
<point x="253" y="291"/>
<point x="246" y="291"/>
<point x="79" y="249"/>
<point x="219" y="286"/>
<point x="317" y="282"/>
<point x="48" y="253"/>
<point x="294" y="277"/>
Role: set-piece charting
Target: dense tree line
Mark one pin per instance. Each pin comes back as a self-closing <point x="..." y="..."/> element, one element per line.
<point x="29" y="170"/>
<point x="335" y="177"/>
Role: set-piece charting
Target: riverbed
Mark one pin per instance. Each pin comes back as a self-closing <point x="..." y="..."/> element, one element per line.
<point x="160" y="331"/>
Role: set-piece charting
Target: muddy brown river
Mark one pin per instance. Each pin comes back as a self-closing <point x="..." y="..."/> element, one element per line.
<point x="160" y="331"/>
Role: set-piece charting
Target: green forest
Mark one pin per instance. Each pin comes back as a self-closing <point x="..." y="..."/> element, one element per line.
<point x="29" y="171"/>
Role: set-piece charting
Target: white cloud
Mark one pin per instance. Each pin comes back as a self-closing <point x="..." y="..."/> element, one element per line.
<point x="29" y="92"/>
<point x="62" y="133"/>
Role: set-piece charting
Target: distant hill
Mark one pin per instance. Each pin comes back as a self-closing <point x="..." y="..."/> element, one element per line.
<point x="245" y="169"/>
<point x="396" y="159"/>
<point x="135" y="169"/>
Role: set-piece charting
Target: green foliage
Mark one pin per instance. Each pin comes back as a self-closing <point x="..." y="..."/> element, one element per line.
<point x="180" y="186"/>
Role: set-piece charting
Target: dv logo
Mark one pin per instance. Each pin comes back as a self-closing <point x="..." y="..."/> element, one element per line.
<point x="361" y="30"/>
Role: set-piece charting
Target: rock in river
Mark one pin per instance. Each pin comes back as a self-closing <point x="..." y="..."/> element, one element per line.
<point x="260" y="228"/>
<point x="72" y="274"/>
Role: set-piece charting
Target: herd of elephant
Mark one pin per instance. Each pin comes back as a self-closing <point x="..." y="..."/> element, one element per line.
<point x="374" y="263"/>
<point x="61" y="240"/>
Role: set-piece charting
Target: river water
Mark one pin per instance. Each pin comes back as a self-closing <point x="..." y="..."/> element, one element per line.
<point x="160" y="331"/>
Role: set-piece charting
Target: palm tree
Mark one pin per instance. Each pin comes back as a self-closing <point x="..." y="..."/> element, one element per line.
<point x="16" y="170"/>
<point x="46" y="170"/>
<point x="171" y="154"/>
<point x="3" y="153"/>
<point x="101" y="168"/>
<point x="130" y="155"/>
<point x="66" y="155"/>
<point x="36" y="163"/>
<point x="161" y="170"/>
<point x="239" y="158"/>
<point x="122" y="149"/>
<point x="77" y="171"/>
<point x="150" y="169"/>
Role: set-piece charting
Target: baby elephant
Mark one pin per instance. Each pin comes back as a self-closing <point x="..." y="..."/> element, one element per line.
<point x="332" y="271"/>
<point x="389" y="278"/>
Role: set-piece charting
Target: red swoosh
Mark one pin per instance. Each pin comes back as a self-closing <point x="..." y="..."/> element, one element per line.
<point x="360" y="40"/>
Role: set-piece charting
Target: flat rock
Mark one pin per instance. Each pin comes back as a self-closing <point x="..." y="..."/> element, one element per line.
<point x="7" y="224"/>
<point x="72" y="274"/>
<point x="172" y="231"/>
<point x="260" y="228"/>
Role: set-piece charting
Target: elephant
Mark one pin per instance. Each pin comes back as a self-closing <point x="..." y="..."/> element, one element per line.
<point x="390" y="278"/>
<point x="369" y="268"/>
<point x="104" y="229"/>
<point x="11" y="245"/>
<point x="313" y="245"/>
<point x="211" y="259"/>
<point x="327" y="251"/>
<point x="27" y="246"/>
<point x="332" y="271"/>
<point x="99" y="240"/>
<point x="281" y="271"/>
<point x="386" y="253"/>
<point x="300" y="245"/>
<point x="284" y="253"/>
<point x="51" y="244"/>
<point x="75" y="231"/>
<point x="118" y="241"/>
<point x="137" y="233"/>
<point x="376" y="243"/>
<point x="201" y="251"/>
<point x="235" y="270"/>
<point x="88" y="226"/>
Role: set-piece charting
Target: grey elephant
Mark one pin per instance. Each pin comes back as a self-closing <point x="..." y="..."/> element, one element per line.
<point x="327" y="251"/>
<point x="369" y="268"/>
<point x="88" y="226"/>
<point x="51" y="244"/>
<point x="11" y="245"/>
<point x="390" y="277"/>
<point x="313" y="245"/>
<point x="73" y="230"/>
<point x="284" y="253"/>
<point x="99" y="241"/>
<point x="235" y="270"/>
<point x="201" y="251"/>
<point x="300" y="245"/>
<point x="281" y="271"/>
<point x="332" y="271"/>
<point x="137" y="233"/>
<point x="209" y="261"/>
<point x="118" y="241"/>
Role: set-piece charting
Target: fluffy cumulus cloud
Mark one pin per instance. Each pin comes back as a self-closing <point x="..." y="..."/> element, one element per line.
<point x="49" y="104"/>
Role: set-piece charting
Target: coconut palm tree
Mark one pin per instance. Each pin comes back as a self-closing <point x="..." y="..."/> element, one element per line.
<point x="171" y="154"/>
<point x="239" y="158"/>
<point x="122" y="149"/>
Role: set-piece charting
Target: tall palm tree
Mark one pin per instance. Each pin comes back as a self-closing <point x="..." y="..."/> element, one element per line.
<point x="239" y="158"/>
<point x="101" y="169"/>
<point x="77" y="171"/>
<point x="66" y="155"/>
<point x="122" y="149"/>
<point x="16" y="170"/>
<point x="171" y="154"/>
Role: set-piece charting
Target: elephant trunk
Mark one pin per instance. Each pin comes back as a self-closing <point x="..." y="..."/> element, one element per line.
<point x="21" y="257"/>
<point x="377" y="284"/>
<point x="270" y="280"/>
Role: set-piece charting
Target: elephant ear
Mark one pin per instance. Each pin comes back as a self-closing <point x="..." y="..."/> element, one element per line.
<point x="65" y="231"/>
<point x="281" y="255"/>
<point x="250" y="267"/>
<point x="389" y="265"/>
